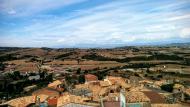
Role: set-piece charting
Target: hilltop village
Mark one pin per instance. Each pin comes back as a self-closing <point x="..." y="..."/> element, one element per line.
<point x="117" y="77"/>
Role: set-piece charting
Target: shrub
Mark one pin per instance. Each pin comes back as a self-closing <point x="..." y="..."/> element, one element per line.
<point x="167" y="87"/>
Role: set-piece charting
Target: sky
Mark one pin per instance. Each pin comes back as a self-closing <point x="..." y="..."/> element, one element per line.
<point x="93" y="23"/>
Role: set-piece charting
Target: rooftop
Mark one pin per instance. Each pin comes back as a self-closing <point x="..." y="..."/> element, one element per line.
<point x="55" y="83"/>
<point x="154" y="97"/>
<point x="24" y="101"/>
<point x="136" y="96"/>
<point x="67" y="99"/>
<point x="47" y="91"/>
<point x="52" y="102"/>
<point x="90" y="77"/>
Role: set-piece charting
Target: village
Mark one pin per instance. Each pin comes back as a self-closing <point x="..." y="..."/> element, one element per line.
<point x="95" y="53"/>
<point x="81" y="78"/>
<point x="89" y="91"/>
<point x="104" y="93"/>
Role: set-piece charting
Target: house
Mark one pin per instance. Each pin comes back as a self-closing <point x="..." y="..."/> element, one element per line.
<point x="168" y="105"/>
<point x="68" y="100"/>
<point x="158" y="84"/>
<point x="95" y="89"/>
<point x="47" y="91"/>
<point x="112" y="79"/>
<point x="187" y="95"/>
<point x="90" y="78"/>
<point x="76" y="105"/>
<point x="134" y="80"/>
<point x="35" y="77"/>
<point x="154" y="97"/>
<point x="105" y="83"/>
<point x="177" y="88"/>
<point x="82" y="92"/>
<point x="52" y="102"/>
<point x="131" y="97"/>
<point x="29" y="88"/>
<point x="117" y="104"/>
<point x="26" y="101"/>
<point x="146" y="83"/>
<point x="118" y="81"/>
<point x="55" y="84"/>
<point x="104" y="91"/>
<point x="136" y="96"/>
<point x="178" y="92"/>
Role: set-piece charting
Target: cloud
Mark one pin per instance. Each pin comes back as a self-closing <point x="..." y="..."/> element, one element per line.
<point x="12" y="12"/>
<point x="185" y="33"/>
<point x="187" y="16"/>
<point x="30" y="7"/>
<point x="116" y="22"/>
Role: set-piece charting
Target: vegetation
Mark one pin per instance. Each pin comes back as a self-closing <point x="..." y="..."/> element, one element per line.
<point x="78" y="70"/>
<point x="159" y="56"/>
<point x="167" y="87"/>
<point x="81" y="78"/>
<point x="2" y="66"/>
<point x="7" y="57"/>
<point x="71" y="79"/>
<point x="154" y="56"/>
<point x="187" y="61"/>
<point x="152" y="61"/>
<point x="62" y="56"/>
<point x="14" y="83"/>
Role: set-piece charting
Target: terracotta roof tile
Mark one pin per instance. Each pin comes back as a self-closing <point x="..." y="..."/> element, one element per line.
<point x="55" y="83"/>
<point x="52" y="102"/>
<point x="154" y="97"/>
<point x="25" y="101"/>
<point x="90" y="77"/>
<point x="47" y="91"/>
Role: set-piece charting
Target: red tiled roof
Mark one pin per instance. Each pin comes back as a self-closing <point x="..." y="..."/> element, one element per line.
<point x="112" y="104"/>
<point x="154" y="97"/>
<point x="47" y="91"/>
<point x="90" y="77"/>
<point x="52" y="102"/>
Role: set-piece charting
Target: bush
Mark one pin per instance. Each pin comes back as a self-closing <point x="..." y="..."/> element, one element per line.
<point x="78" y="70"/>
<point x="81" y="79"/>
<point x="7" y="57"/>
<point x="2" y="66"/>
<point x="167" y="87"/>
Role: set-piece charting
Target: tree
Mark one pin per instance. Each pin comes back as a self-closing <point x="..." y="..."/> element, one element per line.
<point x="100" y="75"/>
<point x="81" y="78"/>
<point x="116" y="71"/>
<point x="16" y="75"/>
<point x="43" y="74"/>
<point x="78" y="70"/>
<point x="147" y="70"/>
<point x="2" y="66"/>
<point x="167" y="87"/>
<point x="145" y="75"/>
<point x="86" y="72"/>
<point x="69" y="70"/>
<point x="159" y="76"/>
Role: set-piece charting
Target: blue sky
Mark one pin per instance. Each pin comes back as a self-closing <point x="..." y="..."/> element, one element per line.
<point x="93" y="23"/>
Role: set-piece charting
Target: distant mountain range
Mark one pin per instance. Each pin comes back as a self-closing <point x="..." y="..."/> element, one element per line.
<point x="180" y="44"/>
<point x="187" y="44"/>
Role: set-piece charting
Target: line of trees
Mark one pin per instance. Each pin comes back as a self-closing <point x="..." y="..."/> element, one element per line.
<point x="155" y="56"/>
<point x="14" y="83"/>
